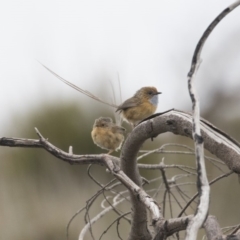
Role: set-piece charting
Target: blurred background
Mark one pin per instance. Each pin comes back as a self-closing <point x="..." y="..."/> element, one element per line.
<point x="149" y="43"/>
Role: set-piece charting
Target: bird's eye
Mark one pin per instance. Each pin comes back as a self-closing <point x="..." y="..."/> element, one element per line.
<point x="150" y="92"/>
<point x="102" y="124"/>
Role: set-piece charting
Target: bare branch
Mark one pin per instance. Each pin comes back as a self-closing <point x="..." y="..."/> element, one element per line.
<point x="72" y="218"/>
<point x="163" y="166"/>
<point x="196" y="194"/>
<point x="45" y="144"/>
<point x="202" y="183"/>
<point x="212" y="228"/>
<point x="116" y="220"/>
<point x="198" y="50"/>
<point x="235" y="230"/>
<point x="167" y="228"/>
<point x="96" y="218"/>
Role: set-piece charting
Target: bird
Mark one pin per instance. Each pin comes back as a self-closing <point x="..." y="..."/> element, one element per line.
<point x="135" y="109"/>
<point x="107" y="135"/>
<point x="140" y="106"/>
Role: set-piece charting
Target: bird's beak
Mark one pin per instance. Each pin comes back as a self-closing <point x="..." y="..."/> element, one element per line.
<point x="158" y="93"/>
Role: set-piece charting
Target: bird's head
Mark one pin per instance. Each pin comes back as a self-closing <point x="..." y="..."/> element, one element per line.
<point x="148" y="94"/>
<point x="103" y="122"/>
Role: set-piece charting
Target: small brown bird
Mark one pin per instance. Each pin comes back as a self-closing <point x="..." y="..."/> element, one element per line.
<point x="107" y="135"/>
<point x="141" y="105"/>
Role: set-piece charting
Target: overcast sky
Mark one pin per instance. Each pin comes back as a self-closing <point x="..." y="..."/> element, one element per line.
<point x="150" y="43"/>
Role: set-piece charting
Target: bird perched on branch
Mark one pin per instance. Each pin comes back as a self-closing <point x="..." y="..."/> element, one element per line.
<point x="141" y="105"/>
<point x="107" y="135"/>
<point x="135" y="109"/>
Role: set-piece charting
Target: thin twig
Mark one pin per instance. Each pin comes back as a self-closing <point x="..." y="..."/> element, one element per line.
<point x="116" y="220"/>
<point x="96" y="218"/>
<point x="235" y="230"/>
<point x="71" y="219"/>
<point x="196" y="194"/>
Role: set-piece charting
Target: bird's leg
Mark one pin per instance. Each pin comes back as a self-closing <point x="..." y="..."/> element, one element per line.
<point x="111" y="151"/>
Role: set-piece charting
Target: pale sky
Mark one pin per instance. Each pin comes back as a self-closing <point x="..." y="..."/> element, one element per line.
<point x="150" y="43"/>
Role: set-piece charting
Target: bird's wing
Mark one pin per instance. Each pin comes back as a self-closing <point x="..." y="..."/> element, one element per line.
<point x="131" y="102"/>
<point x="118" y="129"/>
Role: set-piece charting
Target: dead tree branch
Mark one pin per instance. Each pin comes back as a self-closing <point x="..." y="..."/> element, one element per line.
<point x="177" y="122"/>
<point x="202" y="182"/>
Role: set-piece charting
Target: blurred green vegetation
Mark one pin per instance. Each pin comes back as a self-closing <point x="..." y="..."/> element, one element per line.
<point x="40" y="193"/>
